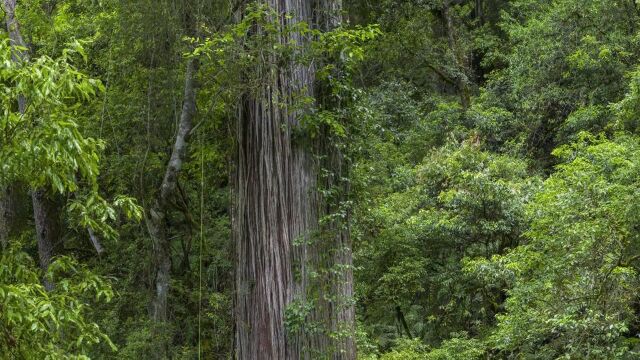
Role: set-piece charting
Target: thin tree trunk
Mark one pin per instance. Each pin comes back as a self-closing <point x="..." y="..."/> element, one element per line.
<point x="45" y="211"/>
<point x="46" y="216"/>
<point x="95" y="242"/>
<point x="461" y="60"/>
<point x="479" y="13"/>
<point x="276" y="218"/>
<point x="7" y="214"/>
<point x="403" y="321"/>
<point x="7" y="197"/>
<point x="13" y="27"/>
<point x="157" y="217"/>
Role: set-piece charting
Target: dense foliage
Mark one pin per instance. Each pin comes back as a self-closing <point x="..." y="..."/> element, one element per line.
<point x="482" y="155"/>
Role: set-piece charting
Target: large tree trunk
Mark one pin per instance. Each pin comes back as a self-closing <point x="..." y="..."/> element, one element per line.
<point x="275" y="204"/>
<point x="157" y="217"/>
<point x="333" y="252"/>
<point x="276" y="219"/>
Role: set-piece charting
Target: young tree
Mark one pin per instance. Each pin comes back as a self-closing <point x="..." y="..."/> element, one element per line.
<point x="45" y="210"/>
<point x="43" y="148"/>
<point x="7" y="194"/>
<point x="157" y="217"/>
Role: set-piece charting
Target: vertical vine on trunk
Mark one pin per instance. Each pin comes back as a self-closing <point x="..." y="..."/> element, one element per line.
<point x="281" y="310"/>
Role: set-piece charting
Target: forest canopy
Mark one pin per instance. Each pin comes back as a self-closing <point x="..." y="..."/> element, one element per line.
<point x="320" y="179"/>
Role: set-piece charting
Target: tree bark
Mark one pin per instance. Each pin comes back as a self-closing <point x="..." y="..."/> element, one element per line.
<point x="274" y="205"/>
<point x="276" y="215"/>
<point x="156" y="219"/>
<point x="46" y="216"/>
<point x="7" y="214"/>
<point x="337" y="312"/>
<point x="13" y="27"/>
<point x="403" y="322"/>
<point x="461" y="60"/>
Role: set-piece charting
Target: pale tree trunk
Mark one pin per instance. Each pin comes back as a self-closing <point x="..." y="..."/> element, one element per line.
<point x="21" y="54"/>
<point x="45" y="211"/>
<point x="156" y="218"/>
<point x="276" y="217"/>
<point x="95" y="242"/>
<point x="13" y="27"/>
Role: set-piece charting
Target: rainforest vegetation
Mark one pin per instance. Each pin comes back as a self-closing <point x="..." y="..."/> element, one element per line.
<point x="320" y="179"/>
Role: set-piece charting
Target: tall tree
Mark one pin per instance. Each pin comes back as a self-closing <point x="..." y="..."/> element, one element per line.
<point x="277" y="208"/>
<point x="274" y="203"/>
<point x="157" y="217"/>
<point x="45" y="210"/>
<point x="333" y="251"/>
